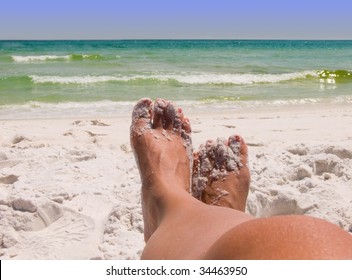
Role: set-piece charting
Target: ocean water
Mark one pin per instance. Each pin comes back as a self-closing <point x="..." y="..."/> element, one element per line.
<point x="63" y="78"/>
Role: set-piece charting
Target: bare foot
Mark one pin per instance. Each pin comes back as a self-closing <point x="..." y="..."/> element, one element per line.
<point x="160" y="139"/>
<point x="220" y="173"/>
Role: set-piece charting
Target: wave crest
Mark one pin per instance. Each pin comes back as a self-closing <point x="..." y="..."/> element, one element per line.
<point x="43" y="58"/>
<point x="34" y="58"/>
<point x="184" y="78"/>
<point x="334" y="76"/>
<point x="74" y="79"/>
<point x="79" y="57"/>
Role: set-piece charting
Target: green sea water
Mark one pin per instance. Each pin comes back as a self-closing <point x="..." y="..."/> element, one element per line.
<point x="43" y="78"/>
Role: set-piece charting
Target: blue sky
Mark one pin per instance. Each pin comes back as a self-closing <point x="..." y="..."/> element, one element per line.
<point x="178" y="19"/>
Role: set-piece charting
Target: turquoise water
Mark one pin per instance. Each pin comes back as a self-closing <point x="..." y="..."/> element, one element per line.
<point x="43" y="77"/>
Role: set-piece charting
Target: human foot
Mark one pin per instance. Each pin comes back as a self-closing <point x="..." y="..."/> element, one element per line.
<point x="220" y="173"/>
<point x="160" y="139"/>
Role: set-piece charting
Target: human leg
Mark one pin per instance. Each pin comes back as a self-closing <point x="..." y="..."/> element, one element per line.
<point x="176" y="224"/>
<point x="283" y="238"/>
<point x="215" y="182"/>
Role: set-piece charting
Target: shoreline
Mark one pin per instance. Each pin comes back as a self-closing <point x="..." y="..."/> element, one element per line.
<point x="69" y="187"/>
<point x="111" y="109"/>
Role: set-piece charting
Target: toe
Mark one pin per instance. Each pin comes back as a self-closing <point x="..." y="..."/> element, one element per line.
<point x="210" y="149"/>
<point x="181" y="123"/>
<point x="179" y="119"/>
<point x="143" y="109"/>
<point x="158" y="112"/>
<point x="220" y="153"/>
<point x="169" y="116"/>
<point x="196" y="164"/>
<point x="186" y="125"/>
<point x="239" y="148"/>
<point x="206" y="157"/>
<point x="142" y="115"/>
<point x="164" y="114"/>
<point x="198" y="180"/>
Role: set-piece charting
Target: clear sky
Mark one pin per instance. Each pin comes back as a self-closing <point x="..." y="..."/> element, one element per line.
<point x="176" y="19"/>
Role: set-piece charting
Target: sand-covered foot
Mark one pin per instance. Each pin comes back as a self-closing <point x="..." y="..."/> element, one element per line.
<point x="220" y="173"/>
<point x="160" y="139"/>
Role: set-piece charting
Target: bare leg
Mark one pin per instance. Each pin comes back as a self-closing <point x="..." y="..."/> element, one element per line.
<point x="221" y="178"/>
<point x="162" y="148"/>
<point x="178" y="226"/>
<point x="174" y="221"/>
<point x="283" y="237"/>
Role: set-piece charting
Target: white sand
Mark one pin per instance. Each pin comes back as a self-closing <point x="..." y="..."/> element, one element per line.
<point x="69" y="188"/>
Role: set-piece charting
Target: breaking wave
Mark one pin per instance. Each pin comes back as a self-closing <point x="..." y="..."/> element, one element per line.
<point x="335" y="76"/>
<point x="43" y="58"/>
<point x="184" y="78"/>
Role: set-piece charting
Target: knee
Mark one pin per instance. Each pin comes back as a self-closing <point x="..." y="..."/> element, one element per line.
<point x="284" y="237"/>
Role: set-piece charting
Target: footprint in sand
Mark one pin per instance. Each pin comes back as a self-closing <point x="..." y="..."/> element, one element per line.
<point x="91" y="122"/>
<point x="77" y="156"/>
<point x="8" y="163"/>
<point x="84" y="136"/>
<point x="340" y="152"/>
<point x="55" y="232"/>
<point x="8" y="179"/>
<point x="19" y="138"/>
<point x="98" y="123"/>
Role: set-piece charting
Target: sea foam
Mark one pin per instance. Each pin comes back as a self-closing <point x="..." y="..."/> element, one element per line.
<point x="183" y="78"/>
<point x="43" y="58"/>
<point x="32" y="58"/>
<point x="238" y="79"/>
<point x="75" y="79"/>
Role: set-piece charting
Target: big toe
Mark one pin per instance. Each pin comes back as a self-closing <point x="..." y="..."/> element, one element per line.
<point x="141" y="120"/>
<point x="142" y="113"/>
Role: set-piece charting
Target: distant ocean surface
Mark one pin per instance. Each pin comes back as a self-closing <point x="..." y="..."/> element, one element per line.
<point x="64" y="78"/>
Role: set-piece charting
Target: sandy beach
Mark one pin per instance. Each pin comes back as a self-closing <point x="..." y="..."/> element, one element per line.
<point x="70" y="188"/>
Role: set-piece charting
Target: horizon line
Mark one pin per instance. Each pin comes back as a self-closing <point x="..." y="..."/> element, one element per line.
<point x="179" y="39"/>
